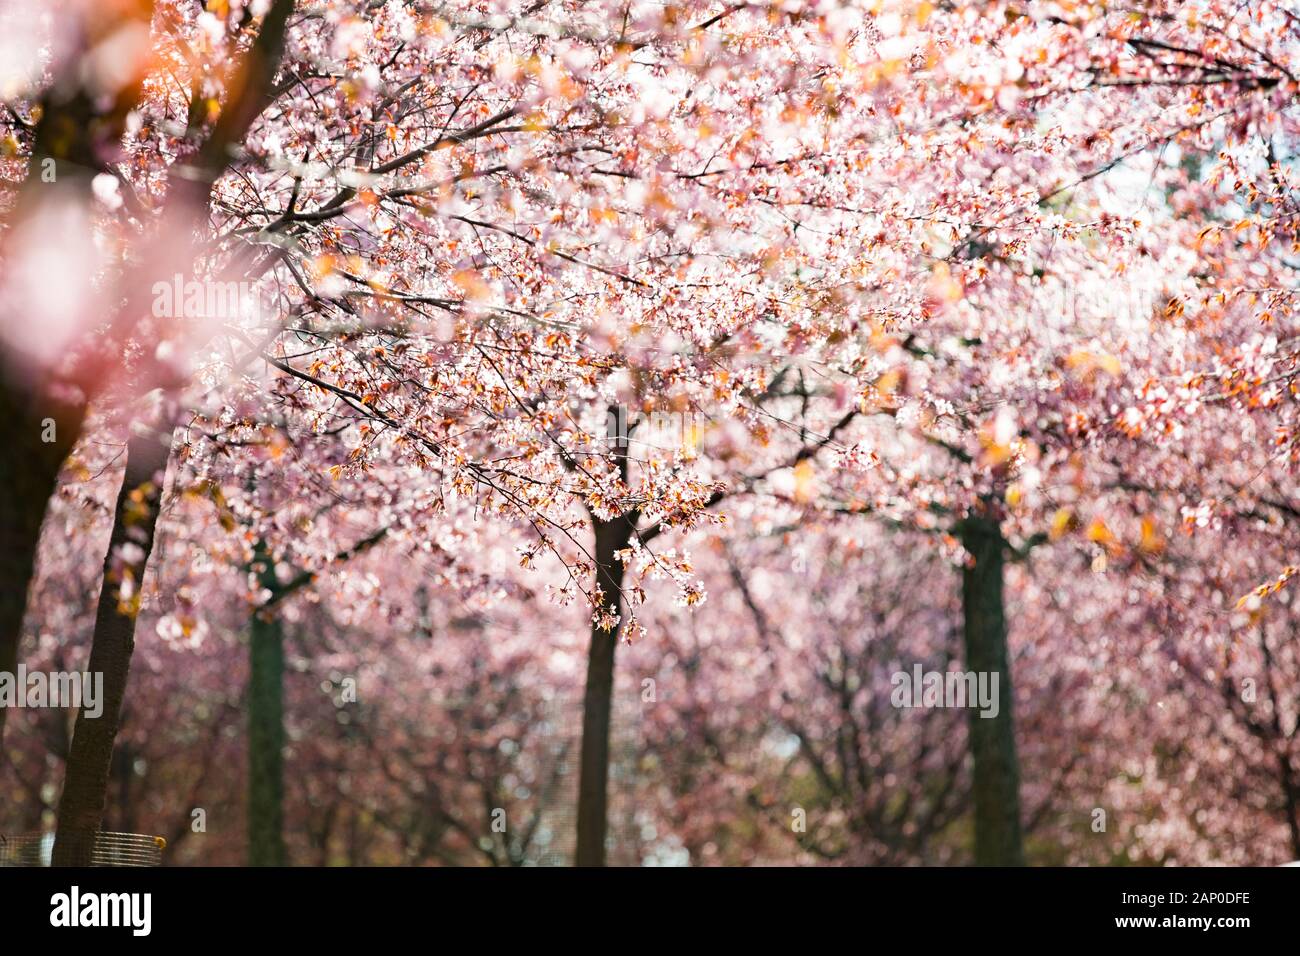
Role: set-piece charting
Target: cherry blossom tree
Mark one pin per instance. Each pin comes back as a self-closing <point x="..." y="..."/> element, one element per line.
<point x="574" y="312"/>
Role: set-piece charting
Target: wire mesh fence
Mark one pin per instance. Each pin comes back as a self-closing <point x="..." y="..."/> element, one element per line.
<point x="89" y="849"/>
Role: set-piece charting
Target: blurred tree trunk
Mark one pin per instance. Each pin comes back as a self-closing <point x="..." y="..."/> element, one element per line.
<point x="266" y="735"/>
<point x="71" y="134"/>
<point x="992" y="739"/>
<point x="266" y="728"/>
<point x="66" y="154"/>
<point x="135" y="517"/>
<point x="29" y="473"/>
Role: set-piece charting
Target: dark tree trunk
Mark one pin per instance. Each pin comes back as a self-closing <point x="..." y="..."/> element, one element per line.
<point x="266" y="735"/>
<point x="85" y="788"/>
<point x="29" y="473"/>
<point x="992" y="739"/>
<point x="266" y="731"/>
<point x="597" y="701"/>
<point x="71" y="132"/>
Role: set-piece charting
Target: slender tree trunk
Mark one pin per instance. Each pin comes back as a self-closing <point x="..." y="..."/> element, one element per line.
<point x="266" y="732"/>
<point x="597" y="701"/>
<point x="85" y="788"/>
<point x="992" y="739"/>
<point x="266" y="845"/>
